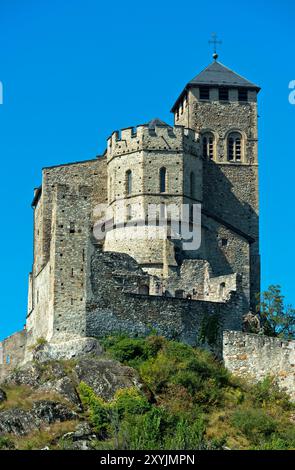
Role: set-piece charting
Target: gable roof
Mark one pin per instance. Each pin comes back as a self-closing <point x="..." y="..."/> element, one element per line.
<point x="217" y="74"/>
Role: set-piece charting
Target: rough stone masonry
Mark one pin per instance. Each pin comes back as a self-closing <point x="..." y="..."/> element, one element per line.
<point x="130" y="282"/>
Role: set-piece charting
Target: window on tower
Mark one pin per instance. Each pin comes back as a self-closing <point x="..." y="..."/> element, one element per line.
<point x="223" y="94"/>
<point x="208" y="145"/>
<point x="204" y="93"/>
<point x="128" y="182"/>
<point x="128" y="212"/>
<point x="242" y="94"/>
<point x="163" y="177"/>
<point x="234" y="147"/>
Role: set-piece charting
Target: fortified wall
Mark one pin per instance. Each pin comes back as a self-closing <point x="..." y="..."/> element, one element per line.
<point x="12" y="352"/>
<point x="256" y="356"/>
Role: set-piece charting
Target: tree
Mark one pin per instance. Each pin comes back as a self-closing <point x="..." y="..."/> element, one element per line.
<point x="277" y="319"/>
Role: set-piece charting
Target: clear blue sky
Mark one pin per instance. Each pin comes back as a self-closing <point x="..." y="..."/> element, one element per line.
<point x="75" y="70"/>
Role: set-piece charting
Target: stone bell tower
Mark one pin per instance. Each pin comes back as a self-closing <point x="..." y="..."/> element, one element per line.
<point x="221" y="106"/>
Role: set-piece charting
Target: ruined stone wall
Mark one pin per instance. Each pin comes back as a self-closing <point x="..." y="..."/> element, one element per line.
<point x="255" y="357"/>
<point x="12" y="352"/>
<point x="111" y="309"/>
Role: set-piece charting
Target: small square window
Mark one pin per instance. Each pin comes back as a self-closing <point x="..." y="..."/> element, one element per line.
<point x="223" y="94"/>
<point x="243" y="94"/>
<point x="224" y="242"/>
<point x="204" y="93"/>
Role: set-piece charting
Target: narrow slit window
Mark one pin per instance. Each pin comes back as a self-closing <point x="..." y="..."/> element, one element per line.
<point x="128" y="182"/>
<point x="208" y="146"/>
<point x="129" y="212"/>
<point x="163" y="176"/>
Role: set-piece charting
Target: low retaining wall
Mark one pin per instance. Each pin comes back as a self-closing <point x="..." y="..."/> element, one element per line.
<point x="12" y="352"/>
<point x="255" y="357"/>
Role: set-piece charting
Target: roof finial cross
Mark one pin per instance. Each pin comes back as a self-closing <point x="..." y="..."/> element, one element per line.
<point x="214" y="41"/>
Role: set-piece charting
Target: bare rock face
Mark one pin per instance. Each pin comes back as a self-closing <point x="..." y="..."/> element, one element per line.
<point x="20" y="422"/>
<point x="61" y="379"/>
<point x="48" y="377"/>
<point x="34" y="374"/>
<point x="73" y="348"/>
<point x="105" y="376"/>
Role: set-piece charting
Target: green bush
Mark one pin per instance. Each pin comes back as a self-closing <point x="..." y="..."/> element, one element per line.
<point x="187" y="436"/>
<point x="254" y="423"/>
<point x="128" y="350"/>
<point x="6" y="443"/>
<point x="130" y="401"/>
<point x="99" y="411"/>
<point x="194" y="403"/>
<point x="267" y="391"/>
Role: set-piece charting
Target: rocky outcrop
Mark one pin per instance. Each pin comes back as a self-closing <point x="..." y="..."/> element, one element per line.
<point x="105" y="376"/>
<point x="20" y="422"/>
<point x="56" y="383"/>
<point x="70" y="349"/>
<point x="80" y="439"/>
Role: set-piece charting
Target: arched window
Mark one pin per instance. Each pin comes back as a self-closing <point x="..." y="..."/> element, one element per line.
<point x="192" y="184"/>
<point x="163" y="174"/>
<point x="208" y="145"/>
<point x="128" y="182"/>
<point x="234" y="147"/>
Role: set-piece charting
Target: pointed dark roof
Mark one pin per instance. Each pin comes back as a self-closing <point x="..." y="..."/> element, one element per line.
<point x="157" y="122"/>
<point x="217" y="74"/>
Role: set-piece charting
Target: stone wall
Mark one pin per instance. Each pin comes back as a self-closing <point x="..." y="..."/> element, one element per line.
<point x="230" y="189"/>
<point x="255" y="357"/>
<point x="12" y="353"/>
<point x="63" y="222"/>
<point x="111" y="308"/>
<point x="144" y="152"/>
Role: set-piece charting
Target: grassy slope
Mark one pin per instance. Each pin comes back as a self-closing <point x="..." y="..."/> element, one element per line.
<point x="188" y="401"/>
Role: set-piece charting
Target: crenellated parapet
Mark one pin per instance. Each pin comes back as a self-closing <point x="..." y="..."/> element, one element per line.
<point x="151" y="139"/>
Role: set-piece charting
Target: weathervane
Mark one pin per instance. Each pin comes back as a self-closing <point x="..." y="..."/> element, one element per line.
<point x="214" y="42"/>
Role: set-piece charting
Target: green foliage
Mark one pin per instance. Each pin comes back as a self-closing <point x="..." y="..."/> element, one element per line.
<point x="129" y="401"/>
<point x="267" y="392"/>
<point x="277" y="319"/>
<point x="187" y="436"/>
<point x="191" y="402"/>
<point x="133" y="351"/>
<point x="6" y="443"/>
<point x="158" y="429"/>
<point x="254" y="423"/>
<point x="209" y="329"/>
<point x="99" y="412"/>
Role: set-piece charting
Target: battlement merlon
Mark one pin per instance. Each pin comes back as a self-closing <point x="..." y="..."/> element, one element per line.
<point x="160" y="138"/>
